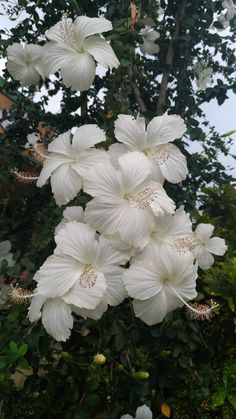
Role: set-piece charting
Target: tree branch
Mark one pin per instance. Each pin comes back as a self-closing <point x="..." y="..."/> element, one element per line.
<point x="136" y="91"/>
<point x="170" y="59"/>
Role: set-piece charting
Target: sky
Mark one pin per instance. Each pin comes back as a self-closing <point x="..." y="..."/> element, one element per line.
<point x="222" y="117"/>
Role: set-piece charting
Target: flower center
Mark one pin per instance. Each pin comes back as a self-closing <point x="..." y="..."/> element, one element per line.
<point x="88" y="278"/>
<point x="144" y="198"/>
<point x="161" y="155"/>
<point x="184" y="244"/>
<point x="67" y="33"/>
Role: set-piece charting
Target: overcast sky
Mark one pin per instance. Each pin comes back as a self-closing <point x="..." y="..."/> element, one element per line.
<point x="222" y="117"/>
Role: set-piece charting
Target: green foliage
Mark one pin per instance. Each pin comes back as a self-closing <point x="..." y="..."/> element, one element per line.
<point x="186" y="364"/>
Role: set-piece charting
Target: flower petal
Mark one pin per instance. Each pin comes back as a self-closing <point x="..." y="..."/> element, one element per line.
<point x="203" y="232"/>
<point x="152" y="310"/>
<point x="164" y="129"/>
<point x="78" y="71"/>
<point x="84" y="296"/>
<point x="135" y="225"/>
<point x="108" y="256"/>
<point x="135" y="168"/>
<point x="143" y="282"/>
<point x="205" y="259"/>
<point x="62" y="145"/>
<point x="94" y="314"/>
<point x="149" y="47"/>
<point x="217" y="246"/>
<point x="143" y="412"/>
<point x="103" y="181"/>
<point x="66" y="184"/>
<point x="35" y="307"/>
<point x="87" y="136"/>
<point x="78" y="241"/>
<point x="87" y="26"/>
<point x="101" y="51"/>
<point x="115" y="292"/>
<point x="57" y="319"/>
<point x="115" y="151"/>
<point x="56" y="55"/>
<point x="88" y="159"/>
<point x="131" y="132"/>
<point x="171" y="162"/>
<point x="49" y="166"/>
<point x="57" y="275"/>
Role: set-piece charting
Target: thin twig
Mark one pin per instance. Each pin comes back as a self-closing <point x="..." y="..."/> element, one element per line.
<point x="136" y="91"/>
<point x="170" y="59"/>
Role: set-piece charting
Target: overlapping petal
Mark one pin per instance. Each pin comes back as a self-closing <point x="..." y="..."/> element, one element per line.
<point x="101" y="51"/>
<point x="164" y="129"/>
<point x="57" y="319"/>
<point x="66" y="184"/>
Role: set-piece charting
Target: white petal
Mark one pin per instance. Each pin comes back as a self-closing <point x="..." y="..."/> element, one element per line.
<point x="73" y="214"/>
<point x="135" y="168"/>
<point x="115" y="292"/>
<point x="143" y="412"/>
<point x="87" y="136"/>
<point x="35" y="307"/>
<point x="78" y="71"/>
<point x="115" y="151"/>
<point x="66" y="184"/>
<point x="78" y="241"/>
<point x="126" y="417"/>
<point x="179" y="267"/>
<point x="57" y="319"/>
<point x="171" y="162"/>
<point x="103" y="181"/>
<point x="57" y="275"/>
<point x="108" y="256"/>
<point x="205" y="259"/>
<point x="216" y="245"/>
<point x="153" y="310"/>
<point x="105" y="216"/>
<point x="49" y="166"/>
<point x="5" y="247"/>
<point x="62" y="145"/>
<point x="143" y="282"/>
<point x="87" y="26"/>
<point x="149" y="47"/>
<point x="161" y="202"/>
<point x="135" y="225"/>
<point x="164" y="129"/>
<point x="84" y="296"/>
<point x="88" y="159"/>
<point x="101" y="51"/>
<point x="152" y="35"/>
<point x="55" y="56"/>
<point x="94" y="314"/>
<point x="204" y="231"/>
<point x="131" y="132"/>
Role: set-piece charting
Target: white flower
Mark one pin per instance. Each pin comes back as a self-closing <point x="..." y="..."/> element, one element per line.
<point x="56" y="316"/>
<point x="74" y="48"/>
<point x="173" y="230"/>
<point x="143" y="412"/>
<point x="70" y="214"/>
<point x="5" y="253"/>
<point x="231" y="9"/>
<point x="206" y="245"/>
<point x="203" y="74"/>
<point x="69" y="161"/>
<point x="32" y="140"/>
<point x="25" y="63"/>
<point x="164" y="158"/>
<point x="126" y="201"/>
<point x="149" y="37"/>
<point x="83" y="270"/>
<point x="161" y="283"/>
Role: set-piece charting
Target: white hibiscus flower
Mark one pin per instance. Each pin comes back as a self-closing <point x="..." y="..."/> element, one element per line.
<point x="83" y="270"/>
<point x="143" y="412"/>
<point x="25" y="63"/>
<point x="231" y="9"/>
<point x="70" y="214"/>
<point x="74" y="47"/>
<point x="149" y="36"/>
<point x="126" y="201"/>
<point x="173" y="230"/>
<point x="164" y="282"/>
<point x="5" y="253"/>
<point x="207" y="245"/>
<point x="203" y="74"/>
<point x="56" y="316"/>
<point x="164" y="158"/>
<point x="69" y="160"/>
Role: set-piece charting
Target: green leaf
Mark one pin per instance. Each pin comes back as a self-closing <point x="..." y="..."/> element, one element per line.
<point x="219" y="397"/>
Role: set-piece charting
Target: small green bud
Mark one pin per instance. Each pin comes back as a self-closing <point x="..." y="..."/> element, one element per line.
<point x="141" y="375"/>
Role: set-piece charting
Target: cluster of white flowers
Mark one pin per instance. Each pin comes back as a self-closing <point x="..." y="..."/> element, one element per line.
<point x="203" y="74"/>
<point x="73" y="48"/>
<point x="129" y="219"/>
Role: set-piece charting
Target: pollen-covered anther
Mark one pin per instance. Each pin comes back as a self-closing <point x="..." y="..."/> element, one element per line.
<point x="67" y="31"/>
<point x="184" y="244"/>
<point x="19" y="295"/>
<point x="202" y="311"/>
<point x="161" y="155"/>
<point x="88" y="278"/>
<point x="144" y="198"/>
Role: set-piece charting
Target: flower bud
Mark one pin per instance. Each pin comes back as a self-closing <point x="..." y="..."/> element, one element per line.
<point x="99" y="359"/>
<point x="141" y="375"/>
